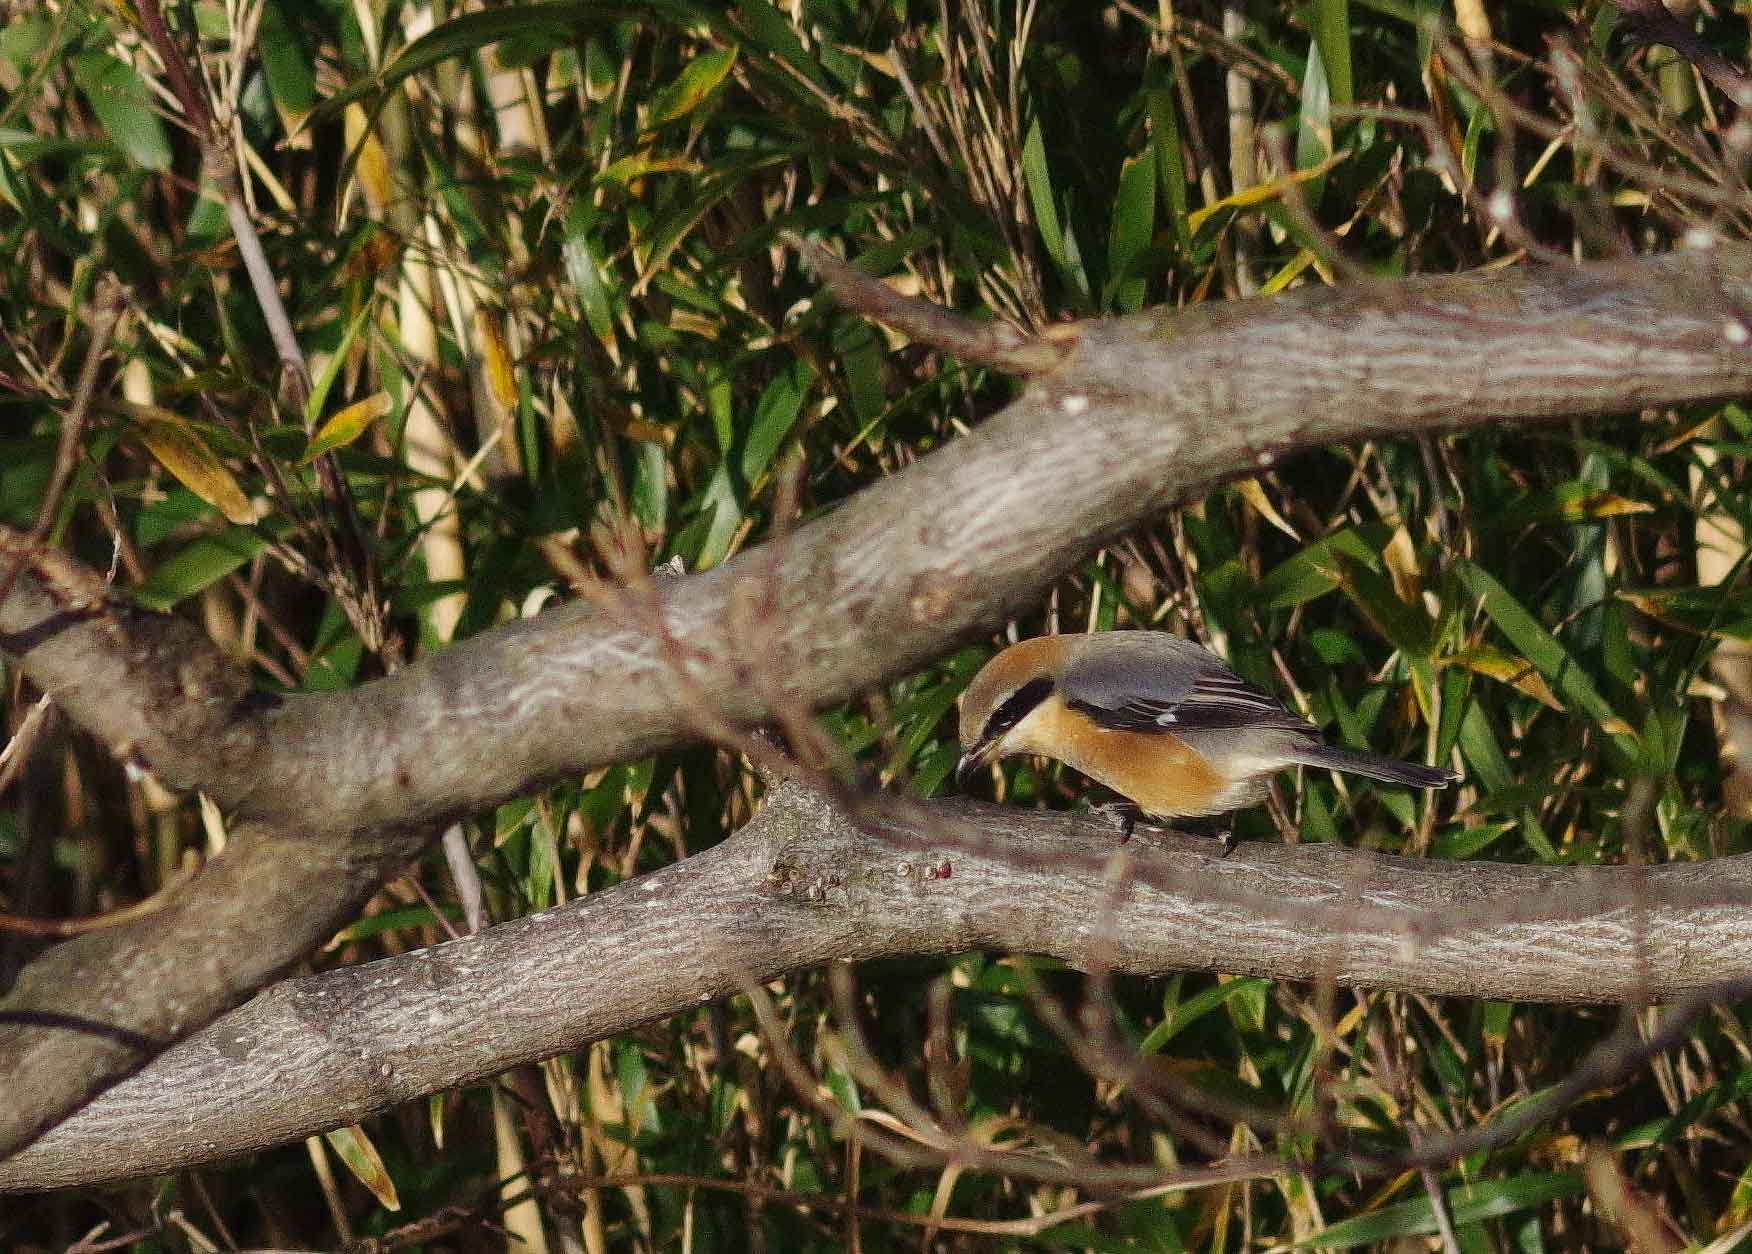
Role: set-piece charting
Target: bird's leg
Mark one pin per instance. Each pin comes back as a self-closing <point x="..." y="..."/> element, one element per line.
<point x="1219" y="826"/>
<point x="1121" y="813"/>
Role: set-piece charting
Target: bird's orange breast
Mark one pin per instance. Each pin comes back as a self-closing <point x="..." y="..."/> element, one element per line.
<point x="1156" y="770"/>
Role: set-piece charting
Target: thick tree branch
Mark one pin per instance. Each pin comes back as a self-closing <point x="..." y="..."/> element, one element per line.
<point x="152" y="686"/>
<point x="805" y="884"/>
<point x="1141" y="413"/>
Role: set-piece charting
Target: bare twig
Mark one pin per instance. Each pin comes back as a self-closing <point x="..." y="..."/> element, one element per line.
<point x="1649" y="22"/>
<point x="108" y="307"/>
<point x="991" y="344"/>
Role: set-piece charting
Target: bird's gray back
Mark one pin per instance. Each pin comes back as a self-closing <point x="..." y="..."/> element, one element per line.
<point x="1132" y="665"/>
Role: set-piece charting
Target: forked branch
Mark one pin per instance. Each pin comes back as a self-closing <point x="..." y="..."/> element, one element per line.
<point x="328" y="791"/>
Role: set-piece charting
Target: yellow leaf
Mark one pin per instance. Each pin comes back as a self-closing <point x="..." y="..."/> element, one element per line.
<point x="360" y="1155"/>
<point x="638" y="165"/>
<point x="694" y="324"/>
<point x="1283" y="278"/>
<point x="881" y="62"/>
<point x="1505" y="668"/>
<point x="1259" y="193"/>
<point x="1600" y="505"/>
<point x="372" y="168"/>
<point x="1254" y="495"/>
<point x="1401" y="561"/>
<point x="495" y="359"/>
<point x="179" y="448"/>
<point x="348" y="425"/>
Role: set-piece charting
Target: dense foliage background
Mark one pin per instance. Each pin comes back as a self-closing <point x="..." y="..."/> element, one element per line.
<point x="535" y="255"/>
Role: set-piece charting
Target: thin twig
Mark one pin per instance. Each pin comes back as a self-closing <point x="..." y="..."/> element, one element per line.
<point x="110" y="304"/>
<point x="991" y="344"/>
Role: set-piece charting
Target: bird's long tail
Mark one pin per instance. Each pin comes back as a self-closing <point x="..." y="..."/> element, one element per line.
<point x="1373" y="765"/>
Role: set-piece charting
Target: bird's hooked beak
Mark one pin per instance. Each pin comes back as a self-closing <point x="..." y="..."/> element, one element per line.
<point x="980" y="755"/>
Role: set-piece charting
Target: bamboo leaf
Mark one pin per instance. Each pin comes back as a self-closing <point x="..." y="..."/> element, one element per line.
<point x="125" y="107"/>
<point x="1129" y="232"/>
<point x="1530" y="637"/>
<point x="348" y="425"/>
<point x="179" y="447"/>
<point x="203" y="563"/>
<point x="355" y="1149"/>
<point x="1259" y="193"/>
<point x="319" y="391"/>
<point x="696" y="82"/>
<point x="1468" y="1204"/>
<point x="1495" y="664"/>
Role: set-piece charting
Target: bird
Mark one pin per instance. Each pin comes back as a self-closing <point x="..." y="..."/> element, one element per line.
<point x="1157" y="718"/>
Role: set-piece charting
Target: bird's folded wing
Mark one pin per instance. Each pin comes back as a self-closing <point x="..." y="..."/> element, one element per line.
<point x="1216" y="699"/>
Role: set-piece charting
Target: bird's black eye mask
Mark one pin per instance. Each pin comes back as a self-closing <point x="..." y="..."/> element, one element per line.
<point x="1015" y="707"/>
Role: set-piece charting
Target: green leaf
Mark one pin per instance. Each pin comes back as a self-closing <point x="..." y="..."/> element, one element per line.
<point x="158" y="520"/>
<point x="1246" y="1006"/>
<point x="768" y="27"/>
<point x="204" y="562"/>
<point x="1318" y="824"/>
<point x="1179" y="1018"/>
<point x="318" y="400"/>
<point x="584" y="269"/>
<point x="1129" y="232"/>
<point x="1468" y="842"/>
<point x="1550" y="658"/>
<point x="715" y="528"/>
<point x="1315" y="570"/>
<point x="469" y="33"/>
<point x="1045" y="206"/>
<point x="920" y="714"/>
<point x="697" y="81"/>
<point x="720" y="400"/>
<point x="931" y="771"/>
<point x="1468" y="1204"/>
<point x="1483" y="754"/>
<point x="884" y="255"/>
<point x="668" y="230"/>
<point x="774" y="416"/>
<point x="860" y="350"/>
<point x="1495" y="1021"/>
<point x="1722" y="609"/>
<point x="635" y="1088"/>
<point x="1574" y="501"/>
<point x="1407" y="627"/>
<point x="1331" y="23"/>
<point x="1314" y="122"/>
<point x="517" y="52"/>
<point x="1170" y="167"/>
<point x="25" y="468"/>
<point x="649" y="496"/>
<point x="285" y="61"/>
<point x="25" y="40"/>
<point x="124" y="107"/>
<point x="390" y="921"/>
<point x="1479" y="124"/>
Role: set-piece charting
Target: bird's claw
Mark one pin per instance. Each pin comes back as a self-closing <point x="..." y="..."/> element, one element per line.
<point x="1122" y="814"/>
